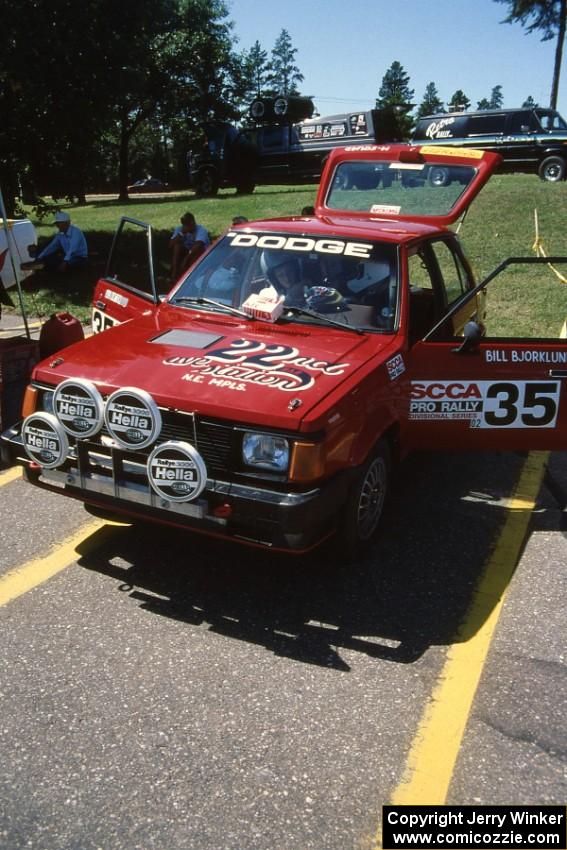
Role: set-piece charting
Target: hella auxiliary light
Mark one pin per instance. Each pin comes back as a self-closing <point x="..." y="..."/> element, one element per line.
<point x="176" y="471"/>
<point x="133" y="418"/>
<point x="79" y="407"/>
<point x="265" y="451"/>
<point x="44" y="439"/>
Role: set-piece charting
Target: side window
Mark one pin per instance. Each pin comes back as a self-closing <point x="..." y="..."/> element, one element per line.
<point x="422" y="302"/>
<point x="453" y="275"/>
<point x="480" y="125"/>
<point x="522" y="122"/>
<point x="418" y="272"/>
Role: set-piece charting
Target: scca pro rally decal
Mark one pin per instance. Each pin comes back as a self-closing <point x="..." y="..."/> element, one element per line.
<point x="487" y="404"/>
<point x="244" y="361"/>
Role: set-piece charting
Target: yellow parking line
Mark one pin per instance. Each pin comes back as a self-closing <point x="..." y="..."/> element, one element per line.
<point x="10" y="475"/>
<point x="21" y="579"/>
<point x="431" y="761"/>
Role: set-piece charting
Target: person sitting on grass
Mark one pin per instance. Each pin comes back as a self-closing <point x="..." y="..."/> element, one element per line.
<point x="67" y="251"/>
<point x="187" y="242"/>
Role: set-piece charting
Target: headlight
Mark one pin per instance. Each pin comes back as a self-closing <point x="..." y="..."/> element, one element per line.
<point x="47" y="401"/>
<point x="265" y="451"/>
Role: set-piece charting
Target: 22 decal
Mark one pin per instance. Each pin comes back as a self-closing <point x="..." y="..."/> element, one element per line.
<point x="245" y="361"/>
<point x="487" y="404"/>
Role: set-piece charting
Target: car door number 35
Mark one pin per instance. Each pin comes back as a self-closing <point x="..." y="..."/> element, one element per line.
<point x="487" y="404"/>
<point x="519" y="404"/>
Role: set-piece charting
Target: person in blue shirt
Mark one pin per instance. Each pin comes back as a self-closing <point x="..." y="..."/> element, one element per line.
<point x="187" y="242"/>
<point x="67" y="251"/>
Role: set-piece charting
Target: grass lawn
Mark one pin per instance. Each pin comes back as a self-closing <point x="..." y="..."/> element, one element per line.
<point x="524" y="300"/>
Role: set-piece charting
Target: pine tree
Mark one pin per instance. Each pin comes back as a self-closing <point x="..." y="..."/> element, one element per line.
<point x="284" y="75"/>
<point x="483" y="104"/>
<point x="431" y="103"/>
<point x="529" y="103"/>
<point x="459" y="102"/>
<point x="258" y="69"/>
<point x="496" y="98"/>
<point x="395" y="99"/>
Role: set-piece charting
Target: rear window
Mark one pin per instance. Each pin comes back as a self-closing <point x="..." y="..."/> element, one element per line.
<point x="392" y="188"/>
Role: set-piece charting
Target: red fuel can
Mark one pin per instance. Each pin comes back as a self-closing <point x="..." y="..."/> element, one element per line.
<point x="60" y="330"/>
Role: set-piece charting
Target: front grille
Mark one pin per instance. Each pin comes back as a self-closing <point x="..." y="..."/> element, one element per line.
<point x="213" y="440"/>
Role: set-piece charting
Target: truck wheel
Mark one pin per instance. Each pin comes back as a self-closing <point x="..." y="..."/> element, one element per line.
<point x="207" y="183"/>
<point x="439" y="176"/>
<point x="245" y="187"/>
<point x="365" y="503"/>
<point x="552" y="169"/>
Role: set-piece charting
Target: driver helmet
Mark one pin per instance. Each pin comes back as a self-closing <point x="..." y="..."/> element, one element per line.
<point x="325" y="299"/>
<point x="271" y="261"/>
<point x="368" y="274"/>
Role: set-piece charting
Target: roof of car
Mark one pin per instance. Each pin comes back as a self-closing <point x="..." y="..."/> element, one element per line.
<point x="501" y="111"/>
<point x="386" y="230"/>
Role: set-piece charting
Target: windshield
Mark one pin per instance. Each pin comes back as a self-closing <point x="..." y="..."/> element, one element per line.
<point x="550" y="120"/>
<point x="392" y="188"/>
<point x="351" y="282"/>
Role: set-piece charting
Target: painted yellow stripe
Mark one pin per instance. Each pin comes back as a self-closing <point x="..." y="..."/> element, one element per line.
<point x="21" y="579"/>
<point x="10" y="475"/>
<point x="432" y="757"/>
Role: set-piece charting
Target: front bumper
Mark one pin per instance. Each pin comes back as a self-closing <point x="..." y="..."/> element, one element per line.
<point x="258" y="515"/>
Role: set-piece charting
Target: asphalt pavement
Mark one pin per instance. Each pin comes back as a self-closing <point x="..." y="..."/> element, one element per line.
<point x="168" y="691"/>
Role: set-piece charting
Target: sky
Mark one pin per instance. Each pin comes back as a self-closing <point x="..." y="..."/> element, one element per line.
<point x="344" y="48"/>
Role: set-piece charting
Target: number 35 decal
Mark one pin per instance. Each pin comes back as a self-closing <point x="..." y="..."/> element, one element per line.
<point x="487" y="404"/>
<point x="100" y="322"/>
<point x="521" y="404"/>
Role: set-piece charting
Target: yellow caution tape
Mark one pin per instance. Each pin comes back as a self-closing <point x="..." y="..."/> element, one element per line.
<point x="539" y="250"/>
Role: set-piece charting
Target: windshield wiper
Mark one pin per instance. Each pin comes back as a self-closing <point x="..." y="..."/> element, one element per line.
<point x="192" y="299"/>
<point x="303" y="311"/>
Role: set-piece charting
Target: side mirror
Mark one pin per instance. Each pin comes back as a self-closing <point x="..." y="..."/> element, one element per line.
<point x="473" y="333"/>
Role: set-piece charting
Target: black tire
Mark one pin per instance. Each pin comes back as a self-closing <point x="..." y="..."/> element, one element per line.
<point x="439" y="176"/>
<point x="552" y="169"/>
<point x="207" y="183"/>
<point x="245" y="187"/>
<point x="365" y="503"/>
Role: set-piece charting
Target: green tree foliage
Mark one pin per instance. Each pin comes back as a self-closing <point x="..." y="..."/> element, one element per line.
<point x="284" y="74"/>
<point x="256" y="69"/>
<point x="431" y="103"/>
<point x="395" y="99"/>
<point x="529" y="103"/>
<point x="548" y="17"/>
<point x="459" y="102"/>
<point x="79" y="82"/>
<point x="496" y="98"/>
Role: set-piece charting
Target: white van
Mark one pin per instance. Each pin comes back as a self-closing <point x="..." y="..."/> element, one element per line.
<point x="22" y="235"/>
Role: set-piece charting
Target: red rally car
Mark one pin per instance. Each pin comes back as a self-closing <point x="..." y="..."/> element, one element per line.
<point x="267" y="398"/>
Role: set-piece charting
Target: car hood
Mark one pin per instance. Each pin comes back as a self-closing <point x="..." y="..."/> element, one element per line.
<point x="245" y="371"/>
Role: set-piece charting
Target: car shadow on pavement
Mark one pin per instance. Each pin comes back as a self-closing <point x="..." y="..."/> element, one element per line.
<point x="411" y="591"/>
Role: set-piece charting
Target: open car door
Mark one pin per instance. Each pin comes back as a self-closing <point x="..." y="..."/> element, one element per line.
<point x="487" y="393"/>
<point x="128" y="287"/>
